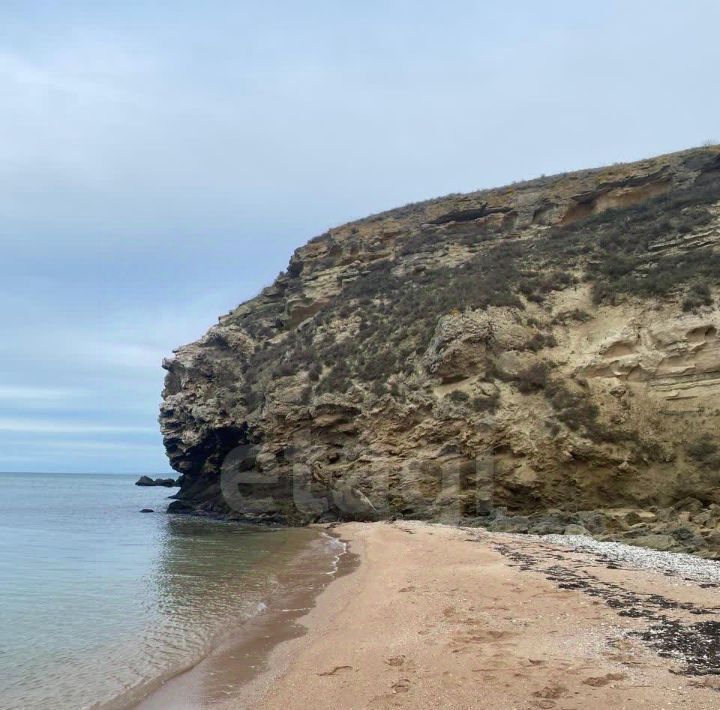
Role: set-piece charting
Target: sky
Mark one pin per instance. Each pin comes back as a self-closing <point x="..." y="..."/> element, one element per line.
<point x="160" y="161"/>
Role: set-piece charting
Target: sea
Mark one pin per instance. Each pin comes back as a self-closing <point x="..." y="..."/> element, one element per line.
<point x="101" y="604"/>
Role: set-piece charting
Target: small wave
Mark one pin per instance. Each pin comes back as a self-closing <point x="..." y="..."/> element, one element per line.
<point x="340" y="547"/>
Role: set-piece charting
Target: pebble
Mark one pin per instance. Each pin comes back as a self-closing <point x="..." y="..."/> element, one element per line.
<point x="681" y="564"/>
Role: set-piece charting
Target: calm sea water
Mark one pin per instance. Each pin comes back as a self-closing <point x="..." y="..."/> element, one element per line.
<point x="99" y="602"/>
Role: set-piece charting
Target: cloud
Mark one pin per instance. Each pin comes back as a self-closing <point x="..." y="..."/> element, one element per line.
<point x="53" y="426"/>
<point x="47" y="395"/>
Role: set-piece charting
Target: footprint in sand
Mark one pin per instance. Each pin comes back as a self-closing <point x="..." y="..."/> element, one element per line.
<point x="395" y="661"/>
<point x="485" y="636"/>
<point x="402" y="686"/>
<point x="553" y="691"/>
<point x="600" y="681"/>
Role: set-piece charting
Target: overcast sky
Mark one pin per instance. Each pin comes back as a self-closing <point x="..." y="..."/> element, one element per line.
<point x="160" y="160"/>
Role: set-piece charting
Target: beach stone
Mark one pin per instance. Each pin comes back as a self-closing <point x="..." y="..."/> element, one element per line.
<point x="692" y="505"/>
<point x="704" y="518"/>
<point x="633" y="534"/>
<point x="683" y="534"/>
<point x="479" y="521"/>
<point x="663" y="543"/>
<point x="664" y="514"/>
<point x="516" y="524"/>
<point x="547" y="527"/>
<point x="575" y="530"/>
<point x="689" y="539"/>
<point x="713" y="538"/>
<point x="353" y="503"/>
<point x="556" y="517"/>
<point x="640" y="516"/>
<point x="592" y="520"/>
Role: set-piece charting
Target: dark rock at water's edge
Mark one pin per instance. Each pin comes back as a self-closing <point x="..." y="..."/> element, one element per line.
<point x="147" y="510"/>
<point x="147" y="481"/>
<point x="181" y="507"/>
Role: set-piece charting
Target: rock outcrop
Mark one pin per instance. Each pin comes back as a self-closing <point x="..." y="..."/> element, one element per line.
<point x="552" y="344"/>
<point x="165" y="482"/>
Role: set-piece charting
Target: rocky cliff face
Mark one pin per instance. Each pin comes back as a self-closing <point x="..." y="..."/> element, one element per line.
<point x="550" y="344"/>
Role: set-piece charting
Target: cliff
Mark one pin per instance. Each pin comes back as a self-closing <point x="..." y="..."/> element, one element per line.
<point x="517" y="357"/>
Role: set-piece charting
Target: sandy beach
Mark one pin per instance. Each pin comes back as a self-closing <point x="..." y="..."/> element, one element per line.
<point x="442" y="617"/>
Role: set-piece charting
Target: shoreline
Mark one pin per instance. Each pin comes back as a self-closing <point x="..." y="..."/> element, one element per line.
<point x="423" y="615"/>
<point x="438" y="616"/>
<point x="332" y="602"/>
<point x="232" y="666"/>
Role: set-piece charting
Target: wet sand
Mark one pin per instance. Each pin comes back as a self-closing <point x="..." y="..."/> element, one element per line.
<point x="227" y="673"/>
<point x="442" y="617"/>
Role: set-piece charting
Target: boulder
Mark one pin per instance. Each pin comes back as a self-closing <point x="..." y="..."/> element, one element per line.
<point x="663" y="543"/>
<point x="180" y="507"/>
<point x="553" y="522"/>
<point x="167" y="482"/>
<point x="515" y="524"/>
<point x="593" y="521"/>
<point x="635" y="517"/>
<point x="353" y="503"/>
<point x="575" y="530"/>
<point x="692" y="505"/>
<point x="545" y="527"/>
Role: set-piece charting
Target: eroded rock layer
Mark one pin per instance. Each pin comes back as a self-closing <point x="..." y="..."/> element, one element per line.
<point x="550" y="344"/>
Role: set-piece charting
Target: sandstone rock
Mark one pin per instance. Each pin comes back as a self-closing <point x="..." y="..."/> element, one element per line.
<point x="575" y="530"/>
<point x="704" y="517"/>
<point x="640" y="516"/>
<point x="470" y="353"/>
<point x="515" y="524"/>
<point x="663" y="543"/>
<point x="354" y="504"/>
<point x="683" y="534"/>
<point x="547" y="528"/>
<point x="593" y="521"/>
<point x="691" y="505"/>
<point x="712" y="539"/>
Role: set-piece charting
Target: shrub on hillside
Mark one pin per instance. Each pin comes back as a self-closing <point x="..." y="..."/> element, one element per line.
<point x="532" y="378"/>
<point x="704" y="451"/>
<point x="698" y="295"/>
